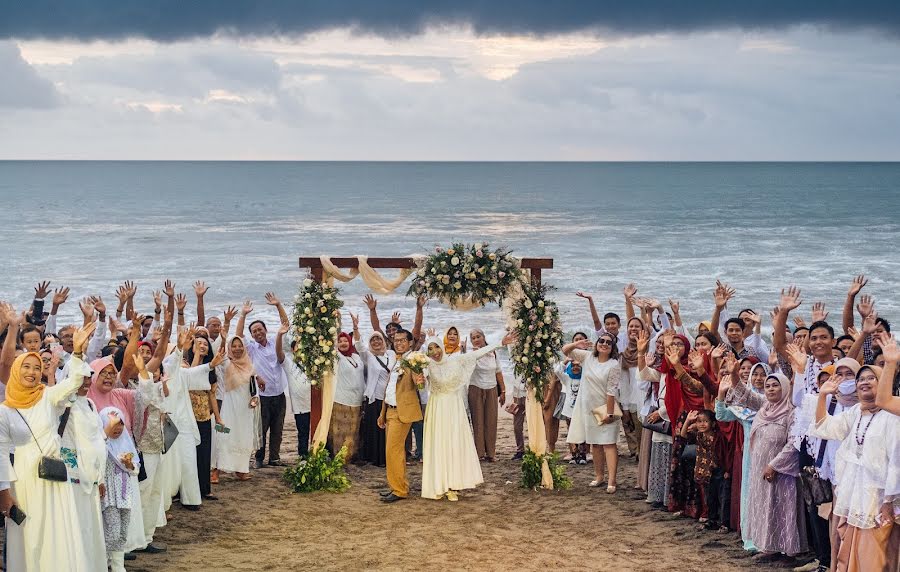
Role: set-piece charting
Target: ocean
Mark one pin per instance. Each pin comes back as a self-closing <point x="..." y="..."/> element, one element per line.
<point x="671" y="228"/>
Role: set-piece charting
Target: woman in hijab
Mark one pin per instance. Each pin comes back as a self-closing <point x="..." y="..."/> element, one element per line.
<point x="634" y="402"/>
<point x="772" y="517"/>
<point x="743" y="417"/>
<point x="684" y="393"/>
<point x="450" y="459"/>
<point x="379" y="362"/>
<point x="120" y="498"/>
<point x="486" y="391"/>
<point x="349" y="387"/>
<point x="240" y="409"/>
<point x="45" y="540"/>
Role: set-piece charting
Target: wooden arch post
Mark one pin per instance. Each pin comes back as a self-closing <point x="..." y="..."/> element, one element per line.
<point x="314" y="264"/>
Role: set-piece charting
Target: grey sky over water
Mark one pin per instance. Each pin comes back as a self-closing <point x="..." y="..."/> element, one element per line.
<point x="452" y="81"/>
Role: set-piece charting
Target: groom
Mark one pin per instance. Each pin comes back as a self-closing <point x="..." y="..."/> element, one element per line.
<point x="399" y="411"/>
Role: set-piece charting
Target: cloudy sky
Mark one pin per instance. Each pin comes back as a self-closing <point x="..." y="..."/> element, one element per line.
<point x="468" y="80"/>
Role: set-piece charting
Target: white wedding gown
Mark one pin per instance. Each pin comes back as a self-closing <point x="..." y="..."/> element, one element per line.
<point x="450" y="461"/>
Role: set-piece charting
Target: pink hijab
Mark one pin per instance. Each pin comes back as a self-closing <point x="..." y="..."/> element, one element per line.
<point x="122" y="399"/>
<point x="775" y="412"/>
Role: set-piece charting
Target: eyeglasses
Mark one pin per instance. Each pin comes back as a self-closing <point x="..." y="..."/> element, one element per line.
<point x="604" y="342"/>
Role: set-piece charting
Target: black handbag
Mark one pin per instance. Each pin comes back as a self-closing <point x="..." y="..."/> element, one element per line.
<point x="51" y="468"/>
<point x="816" y="490"/>
<point x="661" y="426"/>
<point x="170" y="433"/>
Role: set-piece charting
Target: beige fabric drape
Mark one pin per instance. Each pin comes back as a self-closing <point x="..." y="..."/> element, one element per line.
<point x="324" y="426"/>
<point x="376" y="282"/>
<point x="537" y="436"/>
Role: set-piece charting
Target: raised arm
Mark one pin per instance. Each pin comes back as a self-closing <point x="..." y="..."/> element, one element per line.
<point x="372" y="304"/>
<point x="163" y="345"/>
<point x="630" y="291"/>
<point x="131" y="290"/>
<point x="580" y="345"/>
<point x="134" y="336"/>
<point x="272" y="300"/>
<point x="598" y="323"/>
<point x="77" y="368"/>
<point x="245" y="309"/>
<point x="856" y="286"/>
<point x="885" y="398"/>
<point x="200" y="289"/>
<point x="420" y="314"/>
<point x="8" y="353"/>
<point x="721" y="296"/>
<point x="279" y="342"/>
<point x="181" y="304"/>
<point x="790" y="300"/>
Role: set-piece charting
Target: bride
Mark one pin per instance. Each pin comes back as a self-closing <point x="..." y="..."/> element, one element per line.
<point x="450" y="460"/>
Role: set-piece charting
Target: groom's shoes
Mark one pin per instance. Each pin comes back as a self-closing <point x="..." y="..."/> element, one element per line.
<point x="386" y="493"/>
<point x="391" y="498"/>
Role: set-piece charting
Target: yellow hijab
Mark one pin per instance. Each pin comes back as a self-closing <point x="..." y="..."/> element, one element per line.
<point x="448" y="347"/>
<point x="17" y="395"/>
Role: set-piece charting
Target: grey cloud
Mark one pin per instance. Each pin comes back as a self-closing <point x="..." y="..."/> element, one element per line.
<point x="21" y="86"/>
<point x="171" y="20"/>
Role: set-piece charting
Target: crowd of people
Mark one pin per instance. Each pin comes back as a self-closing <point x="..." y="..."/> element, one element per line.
<point x="109" y="422"/>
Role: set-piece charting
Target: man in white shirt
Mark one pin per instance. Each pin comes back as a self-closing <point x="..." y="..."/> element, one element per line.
<point x="299" y="389"/>
<point x="261" y="348"/>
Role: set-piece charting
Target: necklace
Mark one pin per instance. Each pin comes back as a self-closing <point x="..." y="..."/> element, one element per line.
<point x="860" y="440"/>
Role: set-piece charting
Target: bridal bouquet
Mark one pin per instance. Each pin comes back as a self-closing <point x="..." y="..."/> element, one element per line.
<point x="415" y="362"/>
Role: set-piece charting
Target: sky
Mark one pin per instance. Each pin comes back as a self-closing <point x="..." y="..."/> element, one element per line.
<point x="438" y="80"/>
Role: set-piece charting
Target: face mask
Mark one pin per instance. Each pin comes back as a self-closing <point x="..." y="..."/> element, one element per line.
<point x="847" y="387"/>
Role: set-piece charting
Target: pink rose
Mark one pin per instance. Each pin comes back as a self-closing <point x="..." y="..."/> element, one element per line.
<point x="537" y="369"/>
<point x="479" y="254"/>
<point x="501" y="274"/>
<point x="438" y="249"/>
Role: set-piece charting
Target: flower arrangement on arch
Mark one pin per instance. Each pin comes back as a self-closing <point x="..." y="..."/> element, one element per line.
<point x="466" y="273"/>
<point x="540" y="338"/>
<point x="315" y="324"/>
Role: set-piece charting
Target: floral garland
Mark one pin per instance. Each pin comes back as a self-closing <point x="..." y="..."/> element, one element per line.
<point x="315" y="321"/>
<point x="540" y="338"/>
<point x="466" y="274"/>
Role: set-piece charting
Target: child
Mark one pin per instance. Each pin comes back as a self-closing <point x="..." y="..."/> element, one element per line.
<point x="711" y="471"/>
<point x="570" y="379"/>
<point x="119" y="495"/>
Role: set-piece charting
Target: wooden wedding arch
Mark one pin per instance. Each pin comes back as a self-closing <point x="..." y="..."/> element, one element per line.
<point x="535" y="266"/>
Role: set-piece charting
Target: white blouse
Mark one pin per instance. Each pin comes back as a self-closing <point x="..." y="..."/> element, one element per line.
<point x="868" y="474"/>
<point x="349" y="380"/>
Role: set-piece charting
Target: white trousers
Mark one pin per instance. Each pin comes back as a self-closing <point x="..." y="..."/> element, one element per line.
<point x="187" y="459"/>
<point x="116" y="561"/>
<point x="152" y="495"/>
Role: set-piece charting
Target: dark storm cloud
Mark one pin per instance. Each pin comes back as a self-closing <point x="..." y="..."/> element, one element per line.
<point x="169" y="20"/>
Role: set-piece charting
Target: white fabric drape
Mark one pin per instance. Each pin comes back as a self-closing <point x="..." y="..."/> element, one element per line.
<point x="334" y="272"/>
<point x="327" y="384"/>
<point x="378" y="283"/>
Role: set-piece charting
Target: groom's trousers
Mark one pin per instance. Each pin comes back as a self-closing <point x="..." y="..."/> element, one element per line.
<point x="395" y="453"/>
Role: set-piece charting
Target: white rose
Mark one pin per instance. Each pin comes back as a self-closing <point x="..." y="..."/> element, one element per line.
<point x="457" y="285"/>
<point x="493" y="280"/>
<point x="540" y="303"/>
<point x="327" y="296"/>
<point x="477" y="246"/>
<point x="307" y="283"/>
<point x="528" y="303"/>
<point x="332" y="330"/>
<point x="455" y="261"/>
<point x="421" y="273"/>
<point x="524" y="359"/>
<point x="537" y="344"/>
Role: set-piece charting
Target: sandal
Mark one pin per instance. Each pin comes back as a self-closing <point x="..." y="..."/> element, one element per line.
<point x="452" y="496"/>
<point x="243" y="476"/>
<point x="611" y="489"/>
<point x="596" y="483"/>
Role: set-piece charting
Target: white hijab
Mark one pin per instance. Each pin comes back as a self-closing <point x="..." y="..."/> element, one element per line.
<point x="116" y="448"/>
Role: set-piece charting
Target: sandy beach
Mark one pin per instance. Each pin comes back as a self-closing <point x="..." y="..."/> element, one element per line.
<point x="259" y="525"/>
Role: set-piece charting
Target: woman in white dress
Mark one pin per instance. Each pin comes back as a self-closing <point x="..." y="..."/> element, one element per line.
<point x="45" y="539"/>
<point x="450" y="459"/>
<point x="599" y="386"/>
<point x="239" y="407"/>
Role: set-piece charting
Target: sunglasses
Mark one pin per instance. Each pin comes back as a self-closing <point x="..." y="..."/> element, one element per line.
<point x="604" y="342"/>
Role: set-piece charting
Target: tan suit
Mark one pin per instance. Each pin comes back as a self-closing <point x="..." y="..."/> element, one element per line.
<point x="399" y="420"/>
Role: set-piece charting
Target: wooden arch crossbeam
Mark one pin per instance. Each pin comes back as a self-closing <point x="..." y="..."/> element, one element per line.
<point x="314" y="263"/>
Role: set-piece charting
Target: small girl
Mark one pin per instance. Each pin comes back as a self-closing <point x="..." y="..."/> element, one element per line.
<point x="119" y="495"/>
<point x="711" y="471"/>
<point x="570" y="379"/>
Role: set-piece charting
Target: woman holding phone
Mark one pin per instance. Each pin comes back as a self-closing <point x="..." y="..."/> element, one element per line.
<point x="240" y="404"/>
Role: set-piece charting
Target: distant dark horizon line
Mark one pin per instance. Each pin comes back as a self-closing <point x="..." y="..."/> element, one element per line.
<point x="464" y="161"/>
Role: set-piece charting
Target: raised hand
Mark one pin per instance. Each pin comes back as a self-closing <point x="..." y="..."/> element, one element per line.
<point x="724" y="386"/>
<point x="753" y="317"/>
<point x="668" y="337"/>
<point x="285" y="328"/>
<point x="818" y="312"/>
<point x="790" y="299"/>
<point x="180" y="302"/>
<point x="115" y="325"/>
<point x="889" y="349"/>
<point x="139" y="364"/>
<point x="99" y="305"/>
<point x="355" y="319"/>
<point x="219" y="357"/>
<point x="272" y="299"/>
<point x="430" y="332"/>
<point x="510" y="339"/>
<point x="247" y="307"/>
<point x="81" y="337"/>
<point x="87" y="308"/>
<point x="870" y="324"/>
<point x="830" y="386"/>
<point x="731" y="364"/>
<point x="8" y="315"/>
<point x="122" y="295"/>
<point x="773" y="360"/>
<point x="42" y="290"/>
<point x="395" y="317"/>
<point x="157" y="300"/>
<point x="371" y="302"/>
<point x="581" y="294"/>
<point x="186" y="337"/>
<point x="858" y="284"/>
<point x="796" y="356"/>
<point x="421" y="300"/>
<point x="230" y="313"/>
<point x="798" y="321"/>
<point x="718" y="351"/>
<point x="630" y="291"/>
<point x="60" y="295"/>
<point x="157" y="334"/>
<point x="673" y="355"/>
<point x="583" y="344"/>
<point x="854" y="333"/>
<point x="695" y="361"/>
<point x="643" y="341"/>
<point x="131" y="288"/>
<point x="866" y="305"/>
<point x="692" y="416"/>
<point x="169" y="288"/>
<point x="674" y="305"/>
<point x="200" y="288"/>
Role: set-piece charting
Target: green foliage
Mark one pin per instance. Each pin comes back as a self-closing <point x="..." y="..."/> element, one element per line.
<point x="315" y="321"/>
<point x="470" y="272"/>
<point x="318" y="472"/>
<point x="531" y="471"/>
<point x="540" y="338"/>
